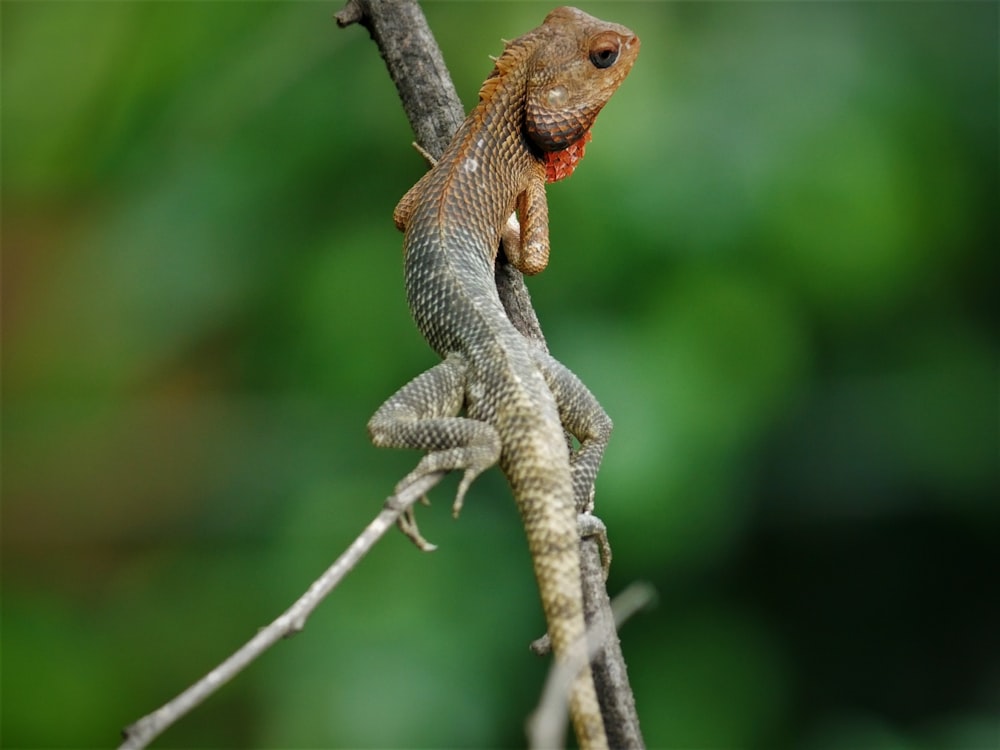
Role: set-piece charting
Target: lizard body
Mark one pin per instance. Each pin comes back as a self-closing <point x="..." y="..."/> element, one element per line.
<point x="530" y="126"/>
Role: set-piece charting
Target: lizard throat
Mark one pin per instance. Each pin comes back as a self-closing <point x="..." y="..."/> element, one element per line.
<point x="560" y="164"/>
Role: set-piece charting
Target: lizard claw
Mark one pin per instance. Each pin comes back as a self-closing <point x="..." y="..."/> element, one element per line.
<point x="467" y="478"/>
<point x="407" y="523"/>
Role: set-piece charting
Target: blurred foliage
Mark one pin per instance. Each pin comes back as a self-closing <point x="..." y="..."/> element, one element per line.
<point x="777" y="269"/>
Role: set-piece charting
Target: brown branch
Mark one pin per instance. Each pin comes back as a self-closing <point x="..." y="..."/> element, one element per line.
<point x="614" y="692"/>
<point x="417" y="68"/>
<point x="415" y="65"/>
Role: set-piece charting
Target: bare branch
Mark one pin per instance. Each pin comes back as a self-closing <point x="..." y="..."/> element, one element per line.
<point x="290" y="622"/>
<point x="621" y="720"/>
<point x="415" y="65"/>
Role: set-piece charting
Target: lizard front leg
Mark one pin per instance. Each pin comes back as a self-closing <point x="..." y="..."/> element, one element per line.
<point x="526" y="237"/>
<point x="423" y="414"/>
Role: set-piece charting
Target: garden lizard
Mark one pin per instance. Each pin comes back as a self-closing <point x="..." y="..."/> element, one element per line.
<point x="530" y="126"/>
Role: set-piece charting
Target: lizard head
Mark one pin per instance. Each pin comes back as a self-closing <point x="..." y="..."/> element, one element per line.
<point x="577" y="63"/>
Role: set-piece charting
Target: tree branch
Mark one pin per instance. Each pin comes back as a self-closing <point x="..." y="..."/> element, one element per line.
<point x="415" y="65"/>
<point x="417" y="68"/>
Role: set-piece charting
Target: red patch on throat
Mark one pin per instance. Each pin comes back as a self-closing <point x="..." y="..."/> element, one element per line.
<point x="560" y="164"/>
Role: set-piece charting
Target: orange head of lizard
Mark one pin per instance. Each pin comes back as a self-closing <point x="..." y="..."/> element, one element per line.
<point x="578" y="63"/>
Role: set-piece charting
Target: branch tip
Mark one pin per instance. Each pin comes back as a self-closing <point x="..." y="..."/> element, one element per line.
<point x="350" y="14"/>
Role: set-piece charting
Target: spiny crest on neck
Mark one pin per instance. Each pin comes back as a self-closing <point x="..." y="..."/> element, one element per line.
<point x="513" y="55"/>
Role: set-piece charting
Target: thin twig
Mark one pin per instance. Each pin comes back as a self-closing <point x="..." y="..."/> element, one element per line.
<point x="290" y="622"/>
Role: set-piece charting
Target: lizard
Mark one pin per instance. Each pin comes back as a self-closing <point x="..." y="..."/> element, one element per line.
<point x="496" y="397"/>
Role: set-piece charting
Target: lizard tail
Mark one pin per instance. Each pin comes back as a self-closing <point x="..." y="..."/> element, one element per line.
<point x="545" y="501"/>
<point x="557" y="569"/>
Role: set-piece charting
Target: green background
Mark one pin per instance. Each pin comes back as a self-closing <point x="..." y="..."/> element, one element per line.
<point x="776" y="268"/>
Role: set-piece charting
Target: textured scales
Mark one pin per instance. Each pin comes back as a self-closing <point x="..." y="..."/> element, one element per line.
<point x="530" y="126"/>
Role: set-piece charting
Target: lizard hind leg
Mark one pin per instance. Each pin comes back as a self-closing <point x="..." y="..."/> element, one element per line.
<point x="423" y="415"/>
<point x="584" y="418"/>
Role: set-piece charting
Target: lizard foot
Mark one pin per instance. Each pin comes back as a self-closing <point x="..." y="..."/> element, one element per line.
<point x="592" y="527"/>
<point x="473" y="459"/>
<point x="407" y="523"/>
<point x="407" y="520"/>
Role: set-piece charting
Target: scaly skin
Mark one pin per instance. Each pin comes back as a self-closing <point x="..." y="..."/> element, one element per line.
<point x="530" y="126"/>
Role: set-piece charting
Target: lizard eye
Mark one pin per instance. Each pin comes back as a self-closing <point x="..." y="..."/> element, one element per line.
<point x="604" y="51"/>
